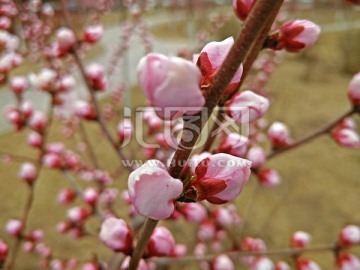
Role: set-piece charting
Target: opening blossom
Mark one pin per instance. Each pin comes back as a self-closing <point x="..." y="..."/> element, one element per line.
<point x="211" y="58"/>
<point x="219" y="178"/>
<point x="170" y="82"/>
<point x="152" y="190"/>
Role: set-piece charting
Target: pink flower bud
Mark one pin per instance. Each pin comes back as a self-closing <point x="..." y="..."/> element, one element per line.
<point x="95" y="73"/>
<point x="90" y="266"/>
<point x="44" y="80"/>
<point x="43" y="250"/>
<point x="223" y="216"/>
<point x="346" y="138"/>
<point x="66" y="83"/>
<point x="300" y="239"/>
<point x="152" y="190"/>
<point x="347" y="122"/>
<point x="234" y="144"/>
<point x="347" y="261"/>
<point x="90" y="196"/>
<point x="282" y="266"/>
<point x="242" y="8"/>
<point x="262" y="263"/>
<point x="13" y="116"/>
<point x="117" y="235"/>
<point x="306" y="264"/>
<point x="279" y="135"/>
<point x="65" y="39"/>
<point x="247" y="107"/>
<point x="350" y="235"/>
<point x="35" y="235"/>
<point x="19" y="84"/>
<point x="77" y="214"/>
<point x="34" y="139"/>
<point x="27" y="108"/>
<point x="3" y="251"/>
<point x="161" y="243"/>
<point x="222" y="262"/>
<point x="38" y="121"/>
<point x="66" y="196"/>
<point x="171" y="84"/>
<point x="206" y="231"/>
<point x="219" y="178"/>
<point x="93" y="33"/>
<point x="28" y="172"/>
<point x="5" y="23"/>
<point x="124" y="130"/>
<point x="193" y="212"/>
<point x="52" y="161"/>
<point x="257" y="156"/>
<point x="354" y="89"/>
<point x="84" y="110"/>
<point x="268" y="177"/>
<point x="14" y="227"/>
<point x="211" y="58"/>
<point x="296" y="35"/>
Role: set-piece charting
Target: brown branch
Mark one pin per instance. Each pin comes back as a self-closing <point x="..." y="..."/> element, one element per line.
<point x="326" y="129"/>
<point x="237" y="254"/>
<point x="254" y="24"/>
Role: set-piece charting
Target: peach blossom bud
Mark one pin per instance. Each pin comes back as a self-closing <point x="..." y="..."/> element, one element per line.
<point x="5" y="23"/>
<point x="66" y="83"/>
<point x="28" y="172"/>
<point x="152" y="190"/>
<point x="124" y="130"/>
<point x="171" y="84"/>
<point x="247" y="107"/>
<point x="179" y="251"/>
<point x="28" y="247"/>
<point x="300" y="239"/>
<point x="66" y="196"/>
<point x="354" y="89"/>
<point x="193" y="212"/>
<point x="206" y="231"/>
<point x="93" y="33"/>
<point x="55" y="148"/>
<point x="90" y="196"/>
<point x="279" y="135"/>
<point x="350" y="235"/>
<point x="63" y="227"/>
<point x="296" y="35"/>
<point x="3" y="251"/>
<point x="347" y="261"/>
<point x="84" y="110"/>
<point x="161" y="243"/>
<point x="282" y="266"/>
<point x="14" y="227"/>
<point x="65" y="38"/>
<point x="211" y="58"/>
<point x="117" y="235"/>
<point x="57" y="265"/>
<point x="269" y="177"/>
<point x="35" y="235"/>
<point x="223" y="216"/>
<point x="44" y="80"/>
<point x="47" y="10"/>
<point x="219" y="178"/>
<point x="13" y="116"/>
<point x="90" y="266"/>
<point x="222" y="262"/>
<point x="305" y="264"/>
<point x="27" y="108"/>
<point x="242" y="8"/>
<point x="95" y="73"/>
<point x="346" y="138"/>
<point x="19" y="84"/>
<point x="142" y="265"/>
<point x="38" y="121"/>
<point x="347" y="123"/>
<point x="77" y="214"/>
<point x="262" y="263"/>
<point x="43" y="250"/>
<point x="234" y="144"/>
<point x="52" y="161"/>
<point x="257" y="156"/>
<point x="72" y="263"/>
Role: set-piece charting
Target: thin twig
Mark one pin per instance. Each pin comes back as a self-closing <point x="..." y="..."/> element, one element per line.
<point x="323" y="130"/>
